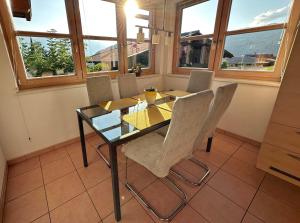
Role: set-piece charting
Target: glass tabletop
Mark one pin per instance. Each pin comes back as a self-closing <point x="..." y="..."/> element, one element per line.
<point x="111" y="124"/>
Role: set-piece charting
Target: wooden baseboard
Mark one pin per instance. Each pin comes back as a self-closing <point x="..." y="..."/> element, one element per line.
<point x="70" y="141"/>
<point x="47" y="149"/>
<point x="3" y="192"/>
<point x="242" y="138"/>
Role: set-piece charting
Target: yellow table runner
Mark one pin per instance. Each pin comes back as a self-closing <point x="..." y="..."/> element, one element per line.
<point x="167" y="106"/>
<point x="177" y="93"/>
<point x="118" y="104"/>
<point x="148" y="117"/>
<point x="141" y="97"/>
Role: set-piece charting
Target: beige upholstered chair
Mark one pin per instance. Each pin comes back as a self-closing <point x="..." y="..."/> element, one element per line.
<point x="158" y="154"/>
<point x="221" y="102"/>
<point x="99" y="89"/>
<point x="200" y="80"/>
<point x="127" y="86"/>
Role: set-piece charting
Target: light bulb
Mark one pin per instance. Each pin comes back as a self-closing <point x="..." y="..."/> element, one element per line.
<point x="131" y="8"/>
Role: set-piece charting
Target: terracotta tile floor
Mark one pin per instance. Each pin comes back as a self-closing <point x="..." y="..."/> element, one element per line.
<point x="55" y="187"/>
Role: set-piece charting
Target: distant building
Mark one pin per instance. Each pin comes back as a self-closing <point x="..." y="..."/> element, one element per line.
<point x="194" y="53"/>
<point x="251" y="60"/>
<point x="137" y="54"/>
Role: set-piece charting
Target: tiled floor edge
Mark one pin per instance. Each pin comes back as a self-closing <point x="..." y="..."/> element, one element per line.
<point x="47" y="149"/>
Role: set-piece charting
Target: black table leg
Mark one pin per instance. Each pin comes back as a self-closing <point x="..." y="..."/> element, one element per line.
<point x="82" y="140"/>
<point x="115" y="180"/>
<point x="209" y="144"/>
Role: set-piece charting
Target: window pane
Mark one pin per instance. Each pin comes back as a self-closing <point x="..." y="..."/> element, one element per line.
<point x="255" y="13"/>
<point x="101" y="55"/>
<point x="98" y="18"/>
<point x="47" y="16"/>
<point x="252" y="51"/>
<point x="132" y="30"/>
<point x="194" y="53"/>
<point x="45" y="57"/>
<point x="199" y="18"/>
<point x="138" y="54"/>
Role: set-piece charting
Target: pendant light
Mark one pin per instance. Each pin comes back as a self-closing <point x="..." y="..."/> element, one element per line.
<point x="140" y="37"/>
<point x="155" y="37"/>
<point x="168" y="39"/>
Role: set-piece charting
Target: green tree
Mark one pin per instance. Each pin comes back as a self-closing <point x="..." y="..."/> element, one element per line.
<point x="95" y="67"/>
<point x="34" y="56"/>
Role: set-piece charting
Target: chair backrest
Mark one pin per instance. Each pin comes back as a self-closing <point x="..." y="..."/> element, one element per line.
<point x="200" y="80"/>
<point x="99" y="89"/>
<point x="219" y="105"/>
<point x="188" y="116"/>
<point x="127" y="86"/>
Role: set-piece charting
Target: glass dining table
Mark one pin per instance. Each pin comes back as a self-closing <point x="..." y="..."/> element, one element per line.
<point x="118" y="122"/>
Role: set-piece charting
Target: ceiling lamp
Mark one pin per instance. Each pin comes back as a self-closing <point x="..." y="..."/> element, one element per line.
<point x="155" y="36"/>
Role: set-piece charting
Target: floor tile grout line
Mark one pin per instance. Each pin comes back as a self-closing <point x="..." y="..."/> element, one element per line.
<point x="20" y="195"/>
<point x="245" y="209"/>
<point x="27" y="171"/>
<point x="206" y="182"/>
<point x="52" y="161"/>
<point x="86" y="190"/>
<point x="228" y="172"/>
<point x="56" y="179"/>
<point x="44" y="187"/>
<point x="253" y="200"/>
<point x="94" y="187"/>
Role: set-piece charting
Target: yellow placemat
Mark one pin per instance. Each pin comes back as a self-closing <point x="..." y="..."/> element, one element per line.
<point x="118" y="104"/>
<point x="141" y="97"/>
<point x="148" y="117"/>
<point x="167" y="106"/>
<point x="177" y="93"/>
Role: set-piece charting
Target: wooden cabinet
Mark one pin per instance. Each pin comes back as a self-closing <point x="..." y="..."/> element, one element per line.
<point x="280" y="151"/>
<point x="21" y="8"/>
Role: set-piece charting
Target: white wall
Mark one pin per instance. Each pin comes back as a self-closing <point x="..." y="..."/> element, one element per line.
<point x="250" y="110"/>
<point x="46" y="116"/>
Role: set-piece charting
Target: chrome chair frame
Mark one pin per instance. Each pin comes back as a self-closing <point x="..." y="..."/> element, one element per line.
<point x="185" y="179"/>
<point x="101" y="154"/>
<point x="147" y="205"/>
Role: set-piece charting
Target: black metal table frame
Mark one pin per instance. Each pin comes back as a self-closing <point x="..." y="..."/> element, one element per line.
<point x="112" y="152"/>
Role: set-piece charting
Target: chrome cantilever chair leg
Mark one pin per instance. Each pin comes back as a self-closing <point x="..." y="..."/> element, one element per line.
<point x="185" y="179"/>
<point x="144" y="202"/>
<point x="98" y="150"/>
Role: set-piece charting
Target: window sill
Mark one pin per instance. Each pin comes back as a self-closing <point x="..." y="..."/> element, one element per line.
<point x="71" y="86"/>
<point x="240" y="81"/>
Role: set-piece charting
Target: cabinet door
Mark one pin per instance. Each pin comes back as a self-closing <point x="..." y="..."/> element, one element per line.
<point x="281" y="163"/>
<point x="287" y="109"/>
<point x="284" y="137"/>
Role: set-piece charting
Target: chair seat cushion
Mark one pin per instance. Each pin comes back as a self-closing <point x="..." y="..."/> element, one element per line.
<point x="147" y="151"/>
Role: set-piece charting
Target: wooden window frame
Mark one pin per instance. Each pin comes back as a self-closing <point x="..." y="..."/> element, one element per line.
<point x="151" y="68"/>
<point x="76" y="37"/>
<point x="178" y="20"/>
<point x="223" y="14"/>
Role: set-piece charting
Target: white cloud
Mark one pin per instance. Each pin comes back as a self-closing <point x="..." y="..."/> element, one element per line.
<point x="269" y="16"/>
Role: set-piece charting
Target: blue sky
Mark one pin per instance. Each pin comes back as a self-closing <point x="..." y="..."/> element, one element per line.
<point x="244" y="13"/>
<point x="98" y="17"/>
